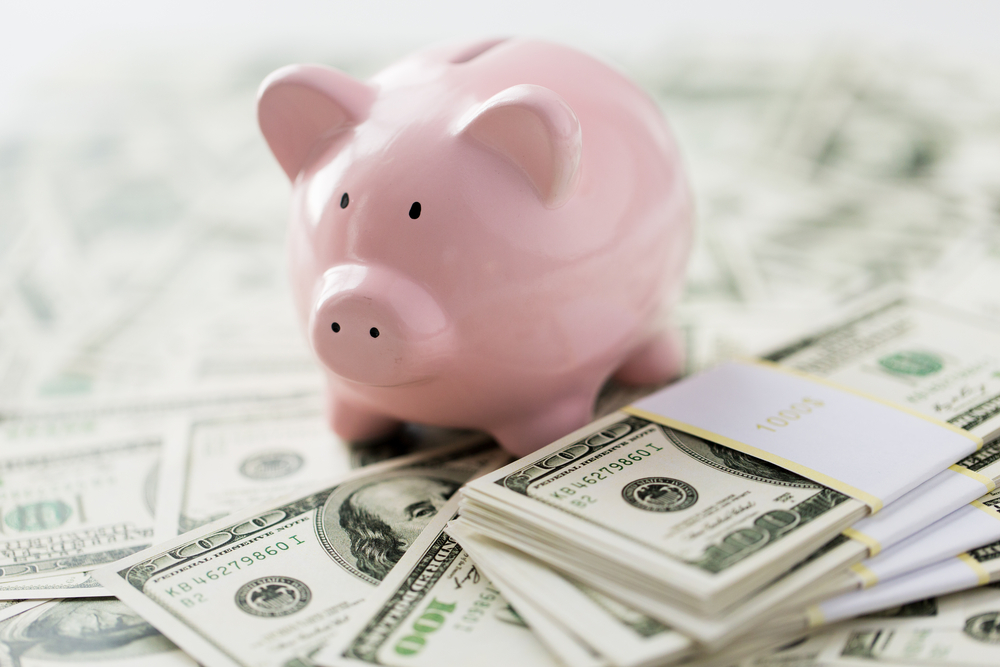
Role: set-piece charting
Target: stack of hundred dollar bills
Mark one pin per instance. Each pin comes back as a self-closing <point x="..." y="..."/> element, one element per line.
<point x="628" y="542"/>
<point x="171" y="494"/>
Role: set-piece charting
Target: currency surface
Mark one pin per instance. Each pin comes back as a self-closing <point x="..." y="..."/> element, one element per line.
<point x="607" y="627"/>
<point x="718" y="514"/>
<point x="71" y="506"/>
<point x="916" y="353"/>
<point x="958" y="629"/>
<point x="289" y="574"/>
<point x="232" y="462"/>
<point x="73" y="585"/>
<point x="437" y="608"/>
<point x="95" y="631"/>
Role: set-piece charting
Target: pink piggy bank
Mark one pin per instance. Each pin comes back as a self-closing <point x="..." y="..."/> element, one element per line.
<point x="480" y="236"/>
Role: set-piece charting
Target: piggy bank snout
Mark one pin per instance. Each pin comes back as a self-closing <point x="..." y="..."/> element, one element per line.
<point x="374" y="326"/>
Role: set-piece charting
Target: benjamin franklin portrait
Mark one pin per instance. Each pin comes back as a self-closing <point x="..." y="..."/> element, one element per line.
<point x="377" y="520"/>
<point x="80" y="630"/>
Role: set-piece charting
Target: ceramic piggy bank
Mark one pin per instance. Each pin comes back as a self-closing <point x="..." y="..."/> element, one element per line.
<point x="480" y="237"/>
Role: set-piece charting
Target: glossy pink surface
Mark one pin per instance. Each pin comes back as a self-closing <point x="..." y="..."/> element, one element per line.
<point x="480" y="236"/>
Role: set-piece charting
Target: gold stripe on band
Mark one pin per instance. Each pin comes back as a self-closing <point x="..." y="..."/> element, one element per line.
<point x="980" y="505"/>
<point x="933" y="420"/>
<point x="874" y="547"/>
<point x="868" y="499"/>
<point x="984" y="576"/>
<point x="868" y="578"/>
<point x="814" y="616"/>
<point x="982" y="479"/>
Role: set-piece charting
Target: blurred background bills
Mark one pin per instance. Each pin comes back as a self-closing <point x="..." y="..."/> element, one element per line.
<point x="153" y="378"/>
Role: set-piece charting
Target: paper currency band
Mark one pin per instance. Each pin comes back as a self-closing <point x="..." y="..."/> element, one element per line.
<point x="873" y="502"/>
<point x="874" y="547"/>
<point x="910" y="411"/>
<point x="867" y="577"/>
<point x="982" y="479"/>
<point x="984" y="576"/>
<point x="868" y="499"/>
<point x="980" y="505"/>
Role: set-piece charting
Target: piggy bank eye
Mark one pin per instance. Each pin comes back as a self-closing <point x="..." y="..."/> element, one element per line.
<point x="344" y="201"/>
<point x="415" y="210"/>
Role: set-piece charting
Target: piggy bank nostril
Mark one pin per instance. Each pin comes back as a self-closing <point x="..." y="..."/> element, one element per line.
<point x="335" y="327"/>
<point x="374" y="332"/>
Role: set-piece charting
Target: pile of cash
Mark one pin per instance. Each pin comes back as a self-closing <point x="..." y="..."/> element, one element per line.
<point x="171" y="494"/>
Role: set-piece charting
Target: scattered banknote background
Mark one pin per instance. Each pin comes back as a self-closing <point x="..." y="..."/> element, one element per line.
<point x="148" y="344"/>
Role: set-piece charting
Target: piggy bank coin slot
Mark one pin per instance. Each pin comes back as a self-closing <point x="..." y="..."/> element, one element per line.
<point x="344" y="201"/>
<point x="475" y="50"/>
<point x="415" y="210"/>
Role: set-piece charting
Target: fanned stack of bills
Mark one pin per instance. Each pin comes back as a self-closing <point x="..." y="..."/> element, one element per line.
<point x="172" y="496"/>
<point x="716" y="521"/>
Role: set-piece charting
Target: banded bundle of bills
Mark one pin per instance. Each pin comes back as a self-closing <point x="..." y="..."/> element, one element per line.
<point x="741" y="539"/>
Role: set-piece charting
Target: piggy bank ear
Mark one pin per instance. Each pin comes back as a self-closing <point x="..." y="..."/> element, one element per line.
<point x="299" y="105"/>
<point x="536" y="130"/>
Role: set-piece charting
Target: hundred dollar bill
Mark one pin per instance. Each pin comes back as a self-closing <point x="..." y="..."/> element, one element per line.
<point x="660" y="511"/>
<point x="76" y="585"/>
<point x="712" y="632"/>
<point x="803" y="652"/>
<point x="8" y="604"/>
<point x="735" y="537"/>
<point x="917" y="353"/>
<point x="229" y="462"/>
<point x="436" y="608"/>
<point x="960" y="629"/>
<point x="226" y="462"/>
<point x="626" y="637"/>
<point x="913" y="532"/>
<point x="968" y="527"/>
<point x="68" y="506"/>
<point x="968" y="570"/>
<point x="268" y="584"/>
<point x="95" y="631"/>
<point x="957" y="383"/>
<point x="562" y="643"/>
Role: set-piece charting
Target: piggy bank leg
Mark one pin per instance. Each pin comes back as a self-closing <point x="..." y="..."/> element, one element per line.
<point x="355" y="423"/>
<point x="658" y="360"/>
<point x="534" y="431"/>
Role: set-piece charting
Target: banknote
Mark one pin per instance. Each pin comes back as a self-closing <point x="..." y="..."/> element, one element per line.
<point x="70" y="505"/>
<point x="917" y="353"/>
<point x="625" y="636"/>
<point x="965" y="571"/>
<point x="563" y="643"/>
<point x="967" y="527"/>
<point x="803" y="652"/>
<point x="74" y="585"/>
<point x="93" y="631"/>
<point x="7" y="606"/>
<point x="609" y="483"/>
<point x="227" y="463"/>
<point x="959" y="629"/>
<point x="436" y="608"/>
<point x="288" y="573"/>
<point x="234" y="459"/>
